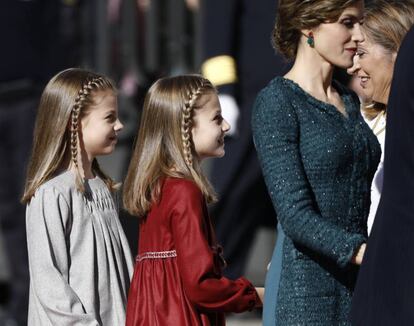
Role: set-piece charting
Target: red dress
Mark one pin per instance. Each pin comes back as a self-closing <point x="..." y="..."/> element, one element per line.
<point x="177" y="278"/>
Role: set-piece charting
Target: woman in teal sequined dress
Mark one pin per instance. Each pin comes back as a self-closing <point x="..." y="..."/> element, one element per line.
<point x="318" y="158"/>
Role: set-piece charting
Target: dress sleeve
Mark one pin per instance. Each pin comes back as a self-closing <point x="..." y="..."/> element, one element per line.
<point x="275" y="132"/>
<point x="48" y="215"/>
<point x="203" y="283"/>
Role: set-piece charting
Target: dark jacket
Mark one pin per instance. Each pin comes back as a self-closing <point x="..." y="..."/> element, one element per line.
<point x="318" y="166"/>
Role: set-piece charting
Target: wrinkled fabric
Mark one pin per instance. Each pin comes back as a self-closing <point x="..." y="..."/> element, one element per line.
<point x="185" y="288"/>
<point x="79" y="260"/>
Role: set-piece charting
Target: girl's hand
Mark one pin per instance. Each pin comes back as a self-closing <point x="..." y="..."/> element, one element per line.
<point x="260" y="291"/>
<point x="359" y="255"/>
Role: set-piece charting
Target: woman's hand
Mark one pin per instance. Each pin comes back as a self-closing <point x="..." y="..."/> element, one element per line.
<point x="359" y="255"/>
<point x="260" y="291"/>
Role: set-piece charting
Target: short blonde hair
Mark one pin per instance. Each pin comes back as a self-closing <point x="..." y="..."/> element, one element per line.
<point x="386" y="24"/>
<point x="65" y="100"/>
<point x="164" y="145"/>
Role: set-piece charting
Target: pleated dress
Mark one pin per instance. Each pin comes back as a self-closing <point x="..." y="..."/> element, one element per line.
<point x="79" y="259"/>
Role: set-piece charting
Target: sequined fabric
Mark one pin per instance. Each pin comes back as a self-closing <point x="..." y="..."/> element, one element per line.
<point x="318" y="165"/>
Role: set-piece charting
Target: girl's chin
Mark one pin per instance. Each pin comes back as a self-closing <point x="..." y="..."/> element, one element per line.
<point x="221" y="153"/>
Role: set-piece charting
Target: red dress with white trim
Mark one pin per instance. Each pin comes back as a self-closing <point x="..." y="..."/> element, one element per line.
<point x="178" y="272"/>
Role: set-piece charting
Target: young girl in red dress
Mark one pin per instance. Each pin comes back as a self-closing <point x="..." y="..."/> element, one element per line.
<point x="178" y="271"/>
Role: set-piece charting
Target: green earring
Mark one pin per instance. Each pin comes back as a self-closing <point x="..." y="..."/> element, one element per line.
<point x="311" y="40"/>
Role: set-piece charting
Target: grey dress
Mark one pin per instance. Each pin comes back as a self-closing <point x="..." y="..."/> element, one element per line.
<point x="318" y="166"/>
<point x="80" y="263"/>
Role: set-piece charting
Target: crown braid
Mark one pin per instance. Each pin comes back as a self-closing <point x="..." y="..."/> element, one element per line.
<point x="186" y="121"/>
<point x="83" y="94"/>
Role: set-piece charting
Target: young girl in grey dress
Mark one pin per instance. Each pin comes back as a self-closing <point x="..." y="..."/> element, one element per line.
<point x="80" y="263"/>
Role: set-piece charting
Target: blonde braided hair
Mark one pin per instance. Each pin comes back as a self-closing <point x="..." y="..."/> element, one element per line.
<point x="186" y="121"/>
<point x="199" y="87"/>
<point x="82" y="100"/>
<point x="64" y="101"/>
<point x="164" y="146"/>
<point x="83" y="94"/>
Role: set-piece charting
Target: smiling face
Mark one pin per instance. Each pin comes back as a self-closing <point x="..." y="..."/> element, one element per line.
<point x="209" y="127"/>
<point x="337" y="42"/>
<point x="374" y="67"/>
<point x="361" y="81"/>
<point x="100" y="125"/>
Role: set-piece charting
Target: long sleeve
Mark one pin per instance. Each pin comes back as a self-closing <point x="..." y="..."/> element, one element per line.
<point x="48" y="221"/>
<point x="276" y="135"/>
<point x="203" y="284"/>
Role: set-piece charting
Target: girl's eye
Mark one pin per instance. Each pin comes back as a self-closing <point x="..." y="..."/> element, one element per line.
<point x="218" y="118"/>
<point x="110" y="118"/>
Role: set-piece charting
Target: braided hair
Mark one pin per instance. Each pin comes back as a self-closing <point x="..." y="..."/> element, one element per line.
<point x="65" y="100"/>
<point x="187" y="115"/>
<point x="82" y="100"/>
<point x="164" y="146"/>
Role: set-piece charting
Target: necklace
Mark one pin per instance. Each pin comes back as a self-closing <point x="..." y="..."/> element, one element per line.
<point x="377" y="120"/>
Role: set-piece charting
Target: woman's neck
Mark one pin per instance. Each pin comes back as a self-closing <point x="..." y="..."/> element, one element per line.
<point x="312" y="73"/>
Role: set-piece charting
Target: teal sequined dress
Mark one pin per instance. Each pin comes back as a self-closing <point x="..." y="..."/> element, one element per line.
<point x="318" y="165"/>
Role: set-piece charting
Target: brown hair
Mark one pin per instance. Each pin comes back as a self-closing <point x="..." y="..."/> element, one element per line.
<point x="385" y="24"/>
<point x="65" y="100"/>
<point x="164" y="144"/>
<point x="292" y="16"/>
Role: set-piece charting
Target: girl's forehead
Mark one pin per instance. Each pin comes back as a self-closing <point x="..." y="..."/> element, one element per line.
<point x="100" y="96"/>
<point x="206" y="98"/>
<point x="102" y="93"/>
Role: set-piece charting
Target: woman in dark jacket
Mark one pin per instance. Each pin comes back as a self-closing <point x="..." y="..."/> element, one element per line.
<point x="318" y="158"/>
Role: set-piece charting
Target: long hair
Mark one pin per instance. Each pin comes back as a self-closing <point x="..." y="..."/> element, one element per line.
<point x="65" y="100"/>
<point x="164" y="145"/>
<point x="385" y="24"/>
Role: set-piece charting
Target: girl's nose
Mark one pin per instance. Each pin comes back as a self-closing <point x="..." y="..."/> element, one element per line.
<point x="225" y="126"/>
<point x="118" y="125"/>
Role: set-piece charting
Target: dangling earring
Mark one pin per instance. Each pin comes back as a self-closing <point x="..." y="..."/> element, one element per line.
<point x="310" y="40"/>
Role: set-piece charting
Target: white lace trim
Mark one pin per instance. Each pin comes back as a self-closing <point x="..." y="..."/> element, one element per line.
<point x="156" y="255"/>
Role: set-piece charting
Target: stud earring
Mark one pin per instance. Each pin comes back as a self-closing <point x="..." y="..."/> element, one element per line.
<point x="311" y="40"/>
